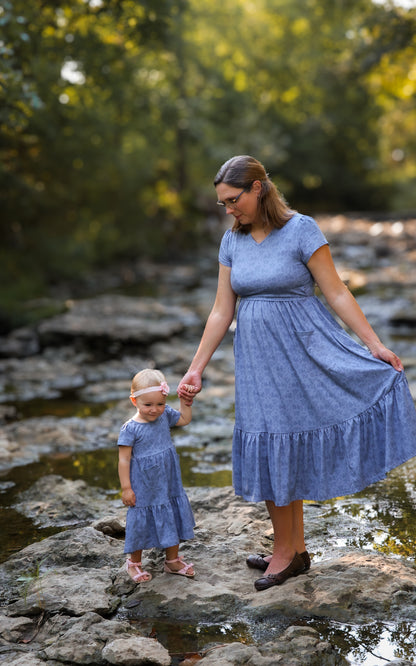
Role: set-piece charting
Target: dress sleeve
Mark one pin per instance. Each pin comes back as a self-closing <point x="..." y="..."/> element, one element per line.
<point x="225" y="252"/>
<point x="311" y="238"/>
<point x="126" y="436"/>
<point x="173" y="415"/>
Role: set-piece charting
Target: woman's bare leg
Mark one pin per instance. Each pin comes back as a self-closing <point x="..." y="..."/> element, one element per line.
<point x="287" y="522"/>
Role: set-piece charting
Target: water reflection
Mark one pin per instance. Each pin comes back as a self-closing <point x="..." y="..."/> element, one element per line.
<point x="182" y="638"/>
<point x="58" y="406"/>
<point x="385" y="512"/>
<point x="369" y="644"/>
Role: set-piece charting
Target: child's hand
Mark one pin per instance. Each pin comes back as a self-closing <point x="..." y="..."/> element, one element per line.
<point x="190" y="388"/>
<point x="128" y="497"/>
<point x="187" y="392"/>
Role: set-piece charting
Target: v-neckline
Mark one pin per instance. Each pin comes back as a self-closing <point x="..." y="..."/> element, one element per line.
<point x="263" y="240"/>
<point x="271" y="230"/>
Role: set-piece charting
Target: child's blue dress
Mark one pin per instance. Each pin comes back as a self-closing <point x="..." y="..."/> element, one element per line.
<point x="317" y="416"/>
<point x="162" y="516"/>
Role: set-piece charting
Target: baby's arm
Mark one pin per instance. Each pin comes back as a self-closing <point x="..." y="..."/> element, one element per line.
<point x="186" y="414"/>
<point x="127" y="494"/>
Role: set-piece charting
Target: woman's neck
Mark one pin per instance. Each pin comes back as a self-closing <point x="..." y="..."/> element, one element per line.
<point x="259" y="233"/>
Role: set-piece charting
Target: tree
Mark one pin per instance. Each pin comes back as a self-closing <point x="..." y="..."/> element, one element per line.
<point x="116" y="114"/>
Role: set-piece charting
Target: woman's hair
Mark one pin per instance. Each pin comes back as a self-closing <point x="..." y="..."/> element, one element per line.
<point x="146" y="378"/>
<point x="241" y="171"/>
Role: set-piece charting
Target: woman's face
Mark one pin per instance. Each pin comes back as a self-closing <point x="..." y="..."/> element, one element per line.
<point x="246" y="207"/>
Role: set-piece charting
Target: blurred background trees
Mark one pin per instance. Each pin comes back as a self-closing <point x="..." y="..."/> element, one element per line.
<point x="116" y="114"/>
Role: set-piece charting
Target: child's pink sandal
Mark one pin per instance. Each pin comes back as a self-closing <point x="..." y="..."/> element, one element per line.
<point x="141" y="576"/>
<point x="181" y="572"/>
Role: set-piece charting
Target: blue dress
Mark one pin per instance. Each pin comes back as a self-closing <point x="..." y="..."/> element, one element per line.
<point x="162" y="516"/>
<point x="317" y="416"/>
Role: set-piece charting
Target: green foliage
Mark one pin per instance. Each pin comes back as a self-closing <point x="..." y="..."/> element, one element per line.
<point x="116" y="114"/>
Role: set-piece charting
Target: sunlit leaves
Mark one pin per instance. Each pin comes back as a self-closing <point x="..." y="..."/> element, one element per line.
<point x="115" y="114"/>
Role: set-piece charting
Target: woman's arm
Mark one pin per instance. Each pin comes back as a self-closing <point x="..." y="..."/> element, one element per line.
<point x="127" y="494"/>
<point x="217" y="325"/>
<point x="340" y="299"/>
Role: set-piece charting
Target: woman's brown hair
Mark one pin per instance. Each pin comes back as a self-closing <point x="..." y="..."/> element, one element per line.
<point x="241" y="171"/>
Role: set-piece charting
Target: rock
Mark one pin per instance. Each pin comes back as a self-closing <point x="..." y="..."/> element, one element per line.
<point x="81" y="640"/>
<point x="404" y="322"/>
<point x="20" y="343"/>
<point x="119" y="319"/>
<point x="360" y="585"/>
<point x="41" y="376"/>
<point x="72" y="591"/>
<point x="112" y="525"/>
<point x="55" y="501"/>
<point x="12" y="628"/>
<point x="26" y="441"/>
<point x="13" y="658"/>
<point x="134" y="651"/>
<point x="8" y="413"/>
<point x="236" y="653"/>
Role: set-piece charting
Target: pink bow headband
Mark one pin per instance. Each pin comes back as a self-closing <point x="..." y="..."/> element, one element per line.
<point x="163" y="388"/>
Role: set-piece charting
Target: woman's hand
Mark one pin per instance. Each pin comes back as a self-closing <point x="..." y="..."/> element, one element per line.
<point x="379" y="350"/>
<point x="128" y="497"/>
<point x="189" y="386"/>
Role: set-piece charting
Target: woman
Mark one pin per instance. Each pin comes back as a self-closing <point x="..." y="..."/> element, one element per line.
<point x="317" y="414"/>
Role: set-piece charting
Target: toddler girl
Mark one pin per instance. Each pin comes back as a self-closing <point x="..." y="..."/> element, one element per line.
<point x="159" y="513"/>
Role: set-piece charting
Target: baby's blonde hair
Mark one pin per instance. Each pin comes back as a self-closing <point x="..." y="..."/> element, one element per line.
<point x="146" y="378"/>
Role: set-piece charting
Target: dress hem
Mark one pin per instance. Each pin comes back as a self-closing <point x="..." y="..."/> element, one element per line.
<point x="321" y="464"/>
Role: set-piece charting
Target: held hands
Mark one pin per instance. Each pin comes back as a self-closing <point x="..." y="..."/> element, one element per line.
<point x="189" y="386"/>
<point x="384" y="354"/>
<point x="128" y="497"/>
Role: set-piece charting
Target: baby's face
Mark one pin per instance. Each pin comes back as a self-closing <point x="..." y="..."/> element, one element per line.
<point x="151" y="405"/>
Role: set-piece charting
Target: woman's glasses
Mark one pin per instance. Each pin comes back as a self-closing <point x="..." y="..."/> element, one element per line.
<point x="231" y="203"/>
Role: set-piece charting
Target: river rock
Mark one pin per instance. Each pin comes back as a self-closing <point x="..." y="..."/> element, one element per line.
<point x="26" y="441"/>
<point x="135" y="651"/>
<point x="108" y="319"/>
<point x="12" y="657"/>
<point x="57" y="502"/>
<point x="80" y="640"/>
<point x="20" y="342"/>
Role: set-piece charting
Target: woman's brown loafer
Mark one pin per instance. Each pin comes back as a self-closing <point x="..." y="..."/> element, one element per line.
<point x="257" y="561"/>
<point x="296" y="567"/>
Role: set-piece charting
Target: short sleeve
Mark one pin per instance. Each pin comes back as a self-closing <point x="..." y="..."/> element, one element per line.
<point x="172" y="415"/>
<point x="126" y="436"/>
<point x="225" y="251"/>
<point x="311" y="238"/>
